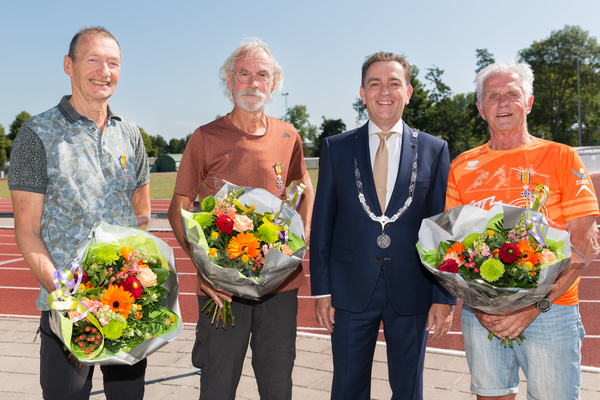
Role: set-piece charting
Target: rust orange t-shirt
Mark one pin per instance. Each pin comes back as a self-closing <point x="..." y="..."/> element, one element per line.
<point x="221" y="150"/>
<point x="483" y="177"/>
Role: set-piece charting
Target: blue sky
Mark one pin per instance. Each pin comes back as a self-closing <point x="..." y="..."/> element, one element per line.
<point x="172" y="51"/>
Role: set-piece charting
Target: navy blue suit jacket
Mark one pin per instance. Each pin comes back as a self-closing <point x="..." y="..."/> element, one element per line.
<point x="345" y="260"/>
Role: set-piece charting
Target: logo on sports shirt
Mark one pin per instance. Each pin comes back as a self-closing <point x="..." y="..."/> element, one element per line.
<point x="472" y="165"/>
<point x="285" y="134"/>
<point x="581" y="173"/>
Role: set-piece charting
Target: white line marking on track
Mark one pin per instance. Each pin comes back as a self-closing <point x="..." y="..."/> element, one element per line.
<point x="10" y="254"/>
<point x="11" y="261"/>
<point x="589" y="301"/>
<point x="20" y="316"/>
<point x="19" y="288"/>
<point x="14" y="268"/>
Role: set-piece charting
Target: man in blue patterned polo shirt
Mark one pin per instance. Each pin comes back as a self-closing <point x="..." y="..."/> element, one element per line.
<point x="72" y="166"/>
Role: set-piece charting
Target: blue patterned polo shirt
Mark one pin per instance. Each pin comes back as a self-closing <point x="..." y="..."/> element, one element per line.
<point x="86" y="176"/>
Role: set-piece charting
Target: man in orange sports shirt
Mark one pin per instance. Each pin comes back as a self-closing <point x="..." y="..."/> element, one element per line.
<point x="506" y="170"/>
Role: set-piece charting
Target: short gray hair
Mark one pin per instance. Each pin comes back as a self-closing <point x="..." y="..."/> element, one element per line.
<point x="514" y="67"/>
<point x="246" y="46"/>
<point x="90" y="31"/>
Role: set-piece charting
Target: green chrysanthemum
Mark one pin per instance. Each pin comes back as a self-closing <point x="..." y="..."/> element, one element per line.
<point x="114" y="329"/>
<point x="204" y="219"/>
<point x="106" y="256"/>
<point x="491" y="270"/>
<point x="468" y="241"/>
<point x="267" y="233"/>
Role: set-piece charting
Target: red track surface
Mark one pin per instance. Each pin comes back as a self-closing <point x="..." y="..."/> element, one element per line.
<point x="19" y="290"/>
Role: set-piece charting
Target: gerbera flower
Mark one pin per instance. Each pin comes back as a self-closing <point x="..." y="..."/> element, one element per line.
<point x="133" y="286"/>
<point x="118" y="299"/>
<point x="449" y="265"/>
<point x="458" y="249"/>
<point x="509" y="253"/>
<point x="126" y="251"/>
<point x="491" y="270"/>
<point x="244" y="243"/>
<point x="529" y="252"/>
<point x="224" y="224"/>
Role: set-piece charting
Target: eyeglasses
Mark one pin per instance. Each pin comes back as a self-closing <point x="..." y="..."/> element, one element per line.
<point x="246" y="77"/>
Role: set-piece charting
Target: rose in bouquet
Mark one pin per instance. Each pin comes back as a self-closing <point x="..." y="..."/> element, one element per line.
<point x="498" y="261"/>
<point x="122" y="303"/>
<point x="244" y="241"/>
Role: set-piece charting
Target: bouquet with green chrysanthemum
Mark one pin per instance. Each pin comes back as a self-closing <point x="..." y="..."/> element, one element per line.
<point x="118" y="301"/>
<point x="498" y="261"/>
<point x="245" y="241"/>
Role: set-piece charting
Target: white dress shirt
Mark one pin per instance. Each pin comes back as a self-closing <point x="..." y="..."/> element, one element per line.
<point x="394" y="148"/>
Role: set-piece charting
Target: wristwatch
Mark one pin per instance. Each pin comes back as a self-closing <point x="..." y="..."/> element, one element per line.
<point x="544" y="304"/>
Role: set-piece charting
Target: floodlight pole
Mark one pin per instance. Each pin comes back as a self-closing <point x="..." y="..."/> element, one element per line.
<point x="286" y="95"/>
<point x="578" y="103"/>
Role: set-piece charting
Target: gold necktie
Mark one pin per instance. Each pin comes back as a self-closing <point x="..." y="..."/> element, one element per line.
<point x="380" y="168"/>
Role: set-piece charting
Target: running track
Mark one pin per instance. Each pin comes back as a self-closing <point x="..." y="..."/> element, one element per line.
<point x="19" y="290"/>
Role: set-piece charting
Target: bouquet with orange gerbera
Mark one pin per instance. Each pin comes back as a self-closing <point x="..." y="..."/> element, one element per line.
<point x="245" y="241"/>
<point x="118" y="302"/>
<point x="498" y="261"/>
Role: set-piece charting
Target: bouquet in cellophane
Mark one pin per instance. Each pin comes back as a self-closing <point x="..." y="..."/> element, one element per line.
<point x="117" y="303"/>
<point x="245" y="241"/>
<point x="498" y="261"/>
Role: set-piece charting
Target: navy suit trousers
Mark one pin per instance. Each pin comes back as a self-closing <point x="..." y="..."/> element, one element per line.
<point x="353" y="344"/>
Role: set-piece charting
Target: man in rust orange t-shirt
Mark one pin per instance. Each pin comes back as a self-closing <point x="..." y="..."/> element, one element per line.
<point x="506" y="170"/>
<point x="244" y="148"/>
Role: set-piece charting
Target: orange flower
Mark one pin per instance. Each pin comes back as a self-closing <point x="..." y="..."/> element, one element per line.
<point x="458" y="249"/>
<point x="528" y="252"/>
<point x="89" y="285"/>
<point x="125" y="251"/>
<point x="244" y="243"/>
<point x="118" y="299"/>
<point x="138" y="315"/>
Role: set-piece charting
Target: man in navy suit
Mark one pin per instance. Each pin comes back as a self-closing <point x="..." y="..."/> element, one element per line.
<point x="364" y="266"/>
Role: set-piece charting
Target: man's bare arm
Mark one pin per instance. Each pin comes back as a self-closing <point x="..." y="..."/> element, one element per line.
<point x="140" y="201"/>
<point x="306" y="202"/>
<point x="28" y="208"/>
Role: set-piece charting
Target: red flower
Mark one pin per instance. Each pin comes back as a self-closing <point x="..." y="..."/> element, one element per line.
<point x="133" y="286"/>
<point x="84" y="277"/>
<point x="449" y="265"/>
<point x="224" y="224"/>
<point x="509" y="253"/>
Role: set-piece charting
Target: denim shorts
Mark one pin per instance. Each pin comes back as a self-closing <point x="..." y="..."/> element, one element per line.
<point x="550" y="356"/>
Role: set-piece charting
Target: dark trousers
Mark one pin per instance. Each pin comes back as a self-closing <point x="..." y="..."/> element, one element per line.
<point x="65" y="379"/>
<point x="353" y="344"/>
<point x="270" y="325"/>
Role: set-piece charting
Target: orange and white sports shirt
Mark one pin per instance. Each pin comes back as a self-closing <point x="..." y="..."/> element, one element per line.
<point x="484" y="177"/>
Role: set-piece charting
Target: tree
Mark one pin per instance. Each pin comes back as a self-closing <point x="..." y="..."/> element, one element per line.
<point x="161" y="144"/>
<point x="298" y="116"/>
<point x="5" y="145"/>
<point x="150" y="150"/>
<point x="16" y="124"/>
<point x="554" y="61"/>
<point x="415" y="113"/>
<point x="480" y="128"/>
<point x="329" y="127"/>
<point x="484" y="58"/>
<point x="361" y="109"/>
<point x="176" y="146"/>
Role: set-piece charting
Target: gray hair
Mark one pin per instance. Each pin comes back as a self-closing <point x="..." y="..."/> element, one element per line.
<point x="246" y="46"/>
<point x="90" y="31"/>
<point x="514" y="67"/>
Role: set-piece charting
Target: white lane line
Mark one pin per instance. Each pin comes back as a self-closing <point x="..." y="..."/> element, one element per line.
<point x="11" y="261"/>
<point x="19" y="288"/>
<point x="14" y="268"/>
<point x="590" y="277"/>
<point x="10" y="254"/>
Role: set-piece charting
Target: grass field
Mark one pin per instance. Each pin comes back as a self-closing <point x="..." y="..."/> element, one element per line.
<point x="161" y="184"/>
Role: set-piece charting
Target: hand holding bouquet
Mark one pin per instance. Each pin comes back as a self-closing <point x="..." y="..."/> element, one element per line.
<point x="245" y="241"/>
<point x="498" y="261"/>
<point x="122" y="305"/>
